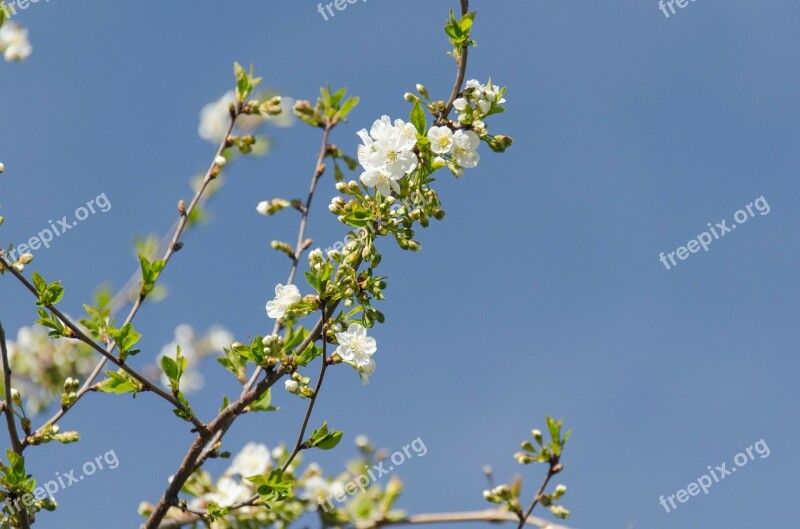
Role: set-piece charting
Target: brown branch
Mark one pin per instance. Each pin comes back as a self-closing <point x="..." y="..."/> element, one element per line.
<point x="82" y="336"/>
<point x="312" y="400"/>
<point x="550" y="473"/>
<point x="203" y="448"/>
<point x="172" y="247"/>
<point x="8" y="409"/>
<point x="488" y="515"/>
<point x="462" y="68"/>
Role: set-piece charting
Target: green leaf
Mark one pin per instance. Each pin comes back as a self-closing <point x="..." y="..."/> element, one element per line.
<point x="418" y="118"/>
<point x="169" y="367"/>
<point x="263" y="403"/>
<point x="274" y="487"/>
<point x="119" y="383"/>
<point x="347" y="107"/>
<point x="125" y="338"/>
<point x="39" y="283"/>
<point x="330" y="441"/>
<point x="323" y="439"/>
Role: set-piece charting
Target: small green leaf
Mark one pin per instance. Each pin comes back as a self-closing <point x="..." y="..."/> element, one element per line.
<point x="418" y="118"/>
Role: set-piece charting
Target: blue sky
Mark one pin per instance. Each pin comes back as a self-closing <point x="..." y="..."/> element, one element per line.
<point x="541" y="293"/>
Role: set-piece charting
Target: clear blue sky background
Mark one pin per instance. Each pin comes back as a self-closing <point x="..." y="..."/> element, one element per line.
<point x="540" y="294"/>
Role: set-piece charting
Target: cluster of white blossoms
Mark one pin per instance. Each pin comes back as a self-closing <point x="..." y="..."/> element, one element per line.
<point x="14" y="43"/>
<point x="41" y="364"/>
<point x="232" y="487"/>
<point x="285" y="296"/>
<point x="355" y="347"/>
<point x="477" y="102"/>
<point x="461" y="147"/>
<point x="387" y="154"/>
<point x="318" y="490"/>
<point x="194" y="348"/>
<point x="215" y="117"/>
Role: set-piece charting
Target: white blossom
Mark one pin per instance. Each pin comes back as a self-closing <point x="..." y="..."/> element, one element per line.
<point x="441" y="139"/>
<point x="381" y="182"/>
<point x="387" y="154"/>
<point x="318" y="491"/>
<point x="355" y="346"/>
<point x="465" y="145"/>
<point x="229" y="492"/>
<point x="366" y="371"/>
<point x="215" y="118"/>
<point x="14" y="42"/>
<point x="219" y="338"/>
<point x="263" y="207"/>
<point x="284" y="297"/>
<point x="291" y="386"/>
<point x="252" y="460"/>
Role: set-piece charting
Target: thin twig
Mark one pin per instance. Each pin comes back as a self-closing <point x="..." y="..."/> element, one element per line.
<point x="312" y="400"/>
<point x="298" y="253"/>
<point x="11" y="423"/>
<point x="462" y="68"/>
<point x="489" y="515"/>
<point x="550" y="473"/>
<point x="253" y="388"/>
<point x="202" y="448"/>
<point x="82" y="336"/>
<point x="171" y="248"/>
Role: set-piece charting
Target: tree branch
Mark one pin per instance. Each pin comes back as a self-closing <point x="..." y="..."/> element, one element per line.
<point x="462" y="68"/>
<point x="8" y="409"/>
<point x="179" y="228"/>
<point x="202" y="449"/>
<point x="489" y="515"/>
<point x="82" y="336"/>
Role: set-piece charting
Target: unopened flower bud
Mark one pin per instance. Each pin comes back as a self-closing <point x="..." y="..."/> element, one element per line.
<point x="291" y="386"/>
<point x="2" y="167"/>
<point x="15" y="397"/>
<point x="523" y="458"/>
<point x="220" y="161"/>
<point x="411" y="98"/>
<point x="501" y="143"/>
<point x="537" y="435"/>
<point x="26" y="258"/>
<point x="560" y="491"/>
<point x="423" y="91"/>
